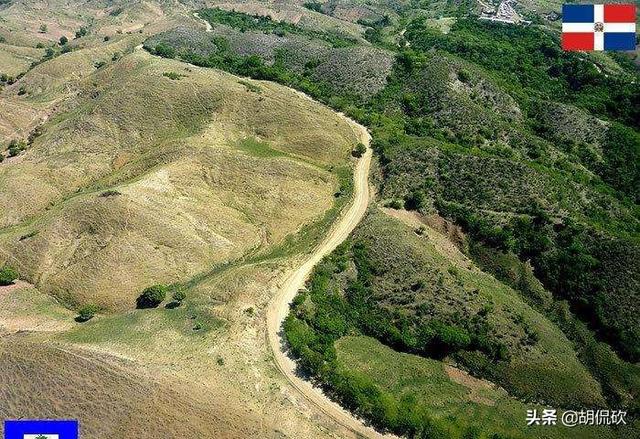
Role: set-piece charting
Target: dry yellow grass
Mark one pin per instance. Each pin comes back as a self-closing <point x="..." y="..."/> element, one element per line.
<point x="24" y="308"/>
<point x="15" y="59"/>
<point x="188" y="197"/>
<point x="110" y="397"/>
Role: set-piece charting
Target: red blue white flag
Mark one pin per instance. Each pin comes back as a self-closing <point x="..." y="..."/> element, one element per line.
<point x="599" y="27"/>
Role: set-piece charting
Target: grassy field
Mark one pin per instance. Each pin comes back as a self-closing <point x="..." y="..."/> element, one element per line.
<point x="462" y="402"/>
<point x="146" y="170"/>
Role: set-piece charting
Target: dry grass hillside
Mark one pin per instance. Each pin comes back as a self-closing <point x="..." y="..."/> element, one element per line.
<point x="130" y="403"/>
<point x="144" y="171"/>
<point x="125" y="190"/>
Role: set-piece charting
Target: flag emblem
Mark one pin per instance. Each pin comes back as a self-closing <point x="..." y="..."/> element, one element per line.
<point x="599" y="27"/>
<point x="41" y="429"/>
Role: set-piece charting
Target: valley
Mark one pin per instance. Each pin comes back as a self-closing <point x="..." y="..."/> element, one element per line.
<point x="364" y="219"/>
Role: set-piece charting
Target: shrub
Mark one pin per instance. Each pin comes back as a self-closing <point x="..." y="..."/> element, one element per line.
<point x="359" y="150"/>
<point x="164" y="51"/>
<point x="110" y="193"/>
<point x="7" y="275"/>
<point x="313" y="6"/>
<point x="16" y="147"/>
<point x="394" y="204"/>
<point x="173" y="75"/>
<point x="87" y="312"/>
<point x="99" y="64"/>
<point x="179" y="295"/>
<point x="81" y="32"/>
<point x="416" y="200"/>
<point x="464" y="75"/>
<point x="116" y="56"/>
<point x="106" y="38"/>
<point x="152" y="296"/>
<point x="63" y="40"/>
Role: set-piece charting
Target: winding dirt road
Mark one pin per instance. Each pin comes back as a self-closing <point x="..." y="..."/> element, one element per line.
<point x="279" y="306"/>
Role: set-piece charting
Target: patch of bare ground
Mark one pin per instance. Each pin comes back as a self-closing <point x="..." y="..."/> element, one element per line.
<point x="474" y="385"/>
<point x="446" y="237"/>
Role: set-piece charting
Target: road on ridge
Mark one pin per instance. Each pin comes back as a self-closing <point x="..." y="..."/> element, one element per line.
<point x="279" y="306"/>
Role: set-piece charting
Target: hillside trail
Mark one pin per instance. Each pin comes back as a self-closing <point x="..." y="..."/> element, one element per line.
<point x="279" y="306"/>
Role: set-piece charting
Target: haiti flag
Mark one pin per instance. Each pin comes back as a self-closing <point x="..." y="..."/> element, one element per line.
<point x="599" y="27"/>
<point x="41" y="429"/>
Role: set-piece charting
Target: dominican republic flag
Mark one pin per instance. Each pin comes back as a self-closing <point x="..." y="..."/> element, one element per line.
<point x="41" y="429"/>
<point x="599" y="27"/>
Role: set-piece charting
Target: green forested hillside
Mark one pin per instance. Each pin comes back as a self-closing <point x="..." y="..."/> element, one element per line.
<point x="533" y="153"/>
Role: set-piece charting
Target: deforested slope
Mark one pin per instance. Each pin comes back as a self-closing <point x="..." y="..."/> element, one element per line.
<point x="159" y="173"/>
<point x="72" y="383"/>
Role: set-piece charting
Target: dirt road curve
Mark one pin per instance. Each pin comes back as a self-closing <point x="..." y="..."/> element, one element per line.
<point x="279" y="306"/>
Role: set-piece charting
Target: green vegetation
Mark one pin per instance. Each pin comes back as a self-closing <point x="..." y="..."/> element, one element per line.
<point x="359" y="150"/>
<point x="264" y="23"/>
<point x="7" y="275"/>
<point x="152" y="296"/>
<point x="251" y="87"/>
<point x="179" y="295"/>
<point x="83" y="31"/>
<point x="367" y="288"/>
<point x="173" y="75"/>
<point x="463" y="406"/>
<point x="257" y="148"/>
<point x="313" y="6"/>
<point x="63" y="40"/>
<point x="16" y="147"/>
<point x="87" y="312"/>
<point x="533" y="152"/>
<point x="434" y="309"/>
<point x="110" y="193"/>
<point x="529" y="62"/>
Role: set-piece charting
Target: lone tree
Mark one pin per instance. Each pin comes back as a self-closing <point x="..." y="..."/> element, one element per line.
<point x="7" y="275"/>
<point x="63" y="40"/>
<point x="359" y="150"/>
<point x="152" y="296"/>
<point x="87" y="312"/>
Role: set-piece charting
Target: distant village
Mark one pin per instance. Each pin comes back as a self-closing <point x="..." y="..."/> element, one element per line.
<point x="505" y="12"/>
